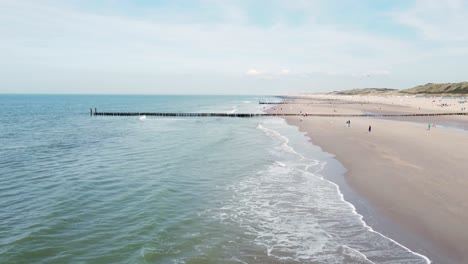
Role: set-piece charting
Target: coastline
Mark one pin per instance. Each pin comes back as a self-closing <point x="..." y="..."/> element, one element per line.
<point x="411" y="179"/>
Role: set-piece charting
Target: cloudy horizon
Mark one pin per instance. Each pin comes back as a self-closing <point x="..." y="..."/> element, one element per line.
<point x="229" y="47"/>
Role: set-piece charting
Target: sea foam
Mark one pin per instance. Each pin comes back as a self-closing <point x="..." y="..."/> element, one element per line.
<point x="297" y="215"/>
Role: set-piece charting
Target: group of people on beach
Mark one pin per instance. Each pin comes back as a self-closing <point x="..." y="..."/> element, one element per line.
<point x="348" y="124"/>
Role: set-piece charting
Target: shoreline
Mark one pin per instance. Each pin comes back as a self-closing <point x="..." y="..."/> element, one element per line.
<point x="425" y="219"/>
<point x="370" y="215"/>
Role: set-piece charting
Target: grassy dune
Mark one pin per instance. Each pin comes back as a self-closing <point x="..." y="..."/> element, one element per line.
<point x="368" y="91"/>
<point x="450" y="89"/>
<point x="439" y="88"/>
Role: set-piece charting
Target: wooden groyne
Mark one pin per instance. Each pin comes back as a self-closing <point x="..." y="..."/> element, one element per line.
<point x="242" y="115"/>
<point x="252" y="115"/>
<point x="328" y="102"/>
<point x="276" y="103"/>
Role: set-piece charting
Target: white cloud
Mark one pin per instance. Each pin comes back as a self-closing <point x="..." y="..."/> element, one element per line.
<point x="58" y="36"/>
<point x="56" y="39"/>
<point x="437" y="20"/>
<point x="253" y="72"/>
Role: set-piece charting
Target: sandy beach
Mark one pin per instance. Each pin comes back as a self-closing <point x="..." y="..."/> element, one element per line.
<point x="416" y="177"/>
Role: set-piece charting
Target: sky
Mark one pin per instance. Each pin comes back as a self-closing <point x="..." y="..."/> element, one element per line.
<point x="229" y="47"/>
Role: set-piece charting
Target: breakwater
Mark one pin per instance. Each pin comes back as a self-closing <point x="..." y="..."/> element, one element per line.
<point x="251" y="115"/>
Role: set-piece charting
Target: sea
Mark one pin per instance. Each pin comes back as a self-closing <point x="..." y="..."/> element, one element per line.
<point x="76" y="188"/>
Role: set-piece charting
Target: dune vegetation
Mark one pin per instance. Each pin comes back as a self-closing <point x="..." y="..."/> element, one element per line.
<point x="449" y="89"/>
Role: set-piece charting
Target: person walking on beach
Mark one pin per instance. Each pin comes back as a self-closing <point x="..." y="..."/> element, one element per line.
<point x="370" y="128"/>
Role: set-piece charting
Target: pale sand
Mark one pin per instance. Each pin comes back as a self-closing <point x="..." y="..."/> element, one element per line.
<point x="418" y="178"/>
<point x="434" y="104"/>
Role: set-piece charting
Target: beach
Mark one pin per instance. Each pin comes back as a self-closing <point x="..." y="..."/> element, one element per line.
<point x="123" y="189"/>
<point x="416" y="177"/>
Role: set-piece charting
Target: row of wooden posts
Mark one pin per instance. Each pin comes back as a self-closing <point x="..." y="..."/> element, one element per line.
<point x="250" y="115"/>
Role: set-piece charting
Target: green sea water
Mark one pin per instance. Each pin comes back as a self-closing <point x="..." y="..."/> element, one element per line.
<point x="82" y="189"/>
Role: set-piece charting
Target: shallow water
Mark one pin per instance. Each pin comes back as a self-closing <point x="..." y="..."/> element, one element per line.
<point x="81" y="189"/>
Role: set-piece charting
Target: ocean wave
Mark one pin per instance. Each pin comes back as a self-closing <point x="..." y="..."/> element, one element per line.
<point x="284" y="140"/>
<point x="297" y="215"/>
<point x="234" y="109"/>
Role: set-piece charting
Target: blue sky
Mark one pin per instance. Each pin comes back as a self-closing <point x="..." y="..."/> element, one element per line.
<point x="229" y="47"/>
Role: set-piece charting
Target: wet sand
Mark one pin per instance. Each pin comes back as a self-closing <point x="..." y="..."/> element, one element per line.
<point x="418" y="178"/>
